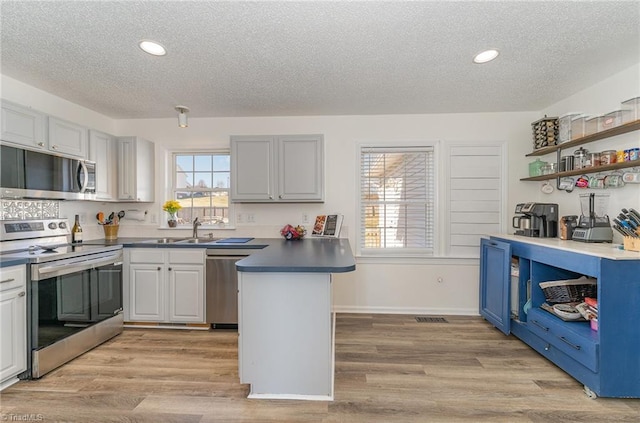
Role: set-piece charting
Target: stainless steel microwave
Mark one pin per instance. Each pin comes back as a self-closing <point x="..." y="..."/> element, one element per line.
<point x="34" y="174"/>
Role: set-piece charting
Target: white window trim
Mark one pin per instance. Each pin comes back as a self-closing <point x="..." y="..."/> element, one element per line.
<point x="401" y="252"/>
<point x="172" y="186"/>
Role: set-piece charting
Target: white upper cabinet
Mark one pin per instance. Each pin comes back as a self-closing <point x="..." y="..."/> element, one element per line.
<point x="24" y="126"/>
<point x="68" y="138"/>
<point x="282" y="168"/>
<point x="27" y="127"/>
<point x="136" y="169"/>
<point x="102" y="150"/>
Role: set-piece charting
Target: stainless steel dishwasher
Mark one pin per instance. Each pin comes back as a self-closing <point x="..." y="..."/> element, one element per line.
<point x="222" y="286"/>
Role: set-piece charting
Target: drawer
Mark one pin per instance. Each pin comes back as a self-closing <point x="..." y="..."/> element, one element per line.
<point x="572" y="338"/>
<point x="186" y="256"/>
<point x="13" y="277"/>
<point x="146" y="255"/>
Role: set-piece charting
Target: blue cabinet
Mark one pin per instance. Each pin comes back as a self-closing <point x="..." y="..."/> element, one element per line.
<point x="605" y="361"/>
<point x="495" y="283"/>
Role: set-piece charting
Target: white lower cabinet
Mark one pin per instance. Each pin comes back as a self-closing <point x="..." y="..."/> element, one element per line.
<point x="13" y="323"/>
<point x="164" y="285"/>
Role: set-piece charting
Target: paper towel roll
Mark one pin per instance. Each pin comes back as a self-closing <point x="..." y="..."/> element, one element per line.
<point x="135" y="215"/>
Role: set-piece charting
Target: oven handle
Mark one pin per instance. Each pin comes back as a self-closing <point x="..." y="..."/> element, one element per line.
<point x="65" y="269"/>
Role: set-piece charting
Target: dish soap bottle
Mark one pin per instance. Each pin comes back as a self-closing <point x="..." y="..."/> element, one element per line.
<point x="76" y="232"/>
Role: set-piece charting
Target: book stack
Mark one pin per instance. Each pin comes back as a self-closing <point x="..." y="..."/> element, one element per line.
<point x="589" y="310"/>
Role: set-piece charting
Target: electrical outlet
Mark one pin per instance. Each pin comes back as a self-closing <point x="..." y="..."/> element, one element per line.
<point x="154" y="218"/>
<point x="305" y="218"/>
<point x="251" y="218"/>
<point x="239" y="218"/>
<point x="83" y="218"/>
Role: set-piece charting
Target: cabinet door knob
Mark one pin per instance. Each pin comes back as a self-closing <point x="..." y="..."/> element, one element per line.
<point x="280" y="197"/>
<point x="55" y="147"/>
<point x="41" y="144"/>
<point x="169" y="269"/>
<point x="271" y="197"/>
<point x="159" y="268"/>
<point x="21" y="294"/>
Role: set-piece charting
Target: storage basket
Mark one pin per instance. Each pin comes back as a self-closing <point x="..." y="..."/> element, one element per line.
<point x="570" y="290"/>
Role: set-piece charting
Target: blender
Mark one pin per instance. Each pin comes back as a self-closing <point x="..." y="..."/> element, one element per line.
<point x="593" y="225"/>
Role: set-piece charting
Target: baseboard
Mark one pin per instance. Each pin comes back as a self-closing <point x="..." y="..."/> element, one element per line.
<point x="407" y="310"/>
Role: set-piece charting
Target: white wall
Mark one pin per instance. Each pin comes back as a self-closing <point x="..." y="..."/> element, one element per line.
<point x="394" y="285"/>
<point x="598" y="99"/>
<point x="407" y="286"/>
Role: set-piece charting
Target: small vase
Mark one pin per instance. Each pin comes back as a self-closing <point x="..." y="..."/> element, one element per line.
<point x="172" y="222"/>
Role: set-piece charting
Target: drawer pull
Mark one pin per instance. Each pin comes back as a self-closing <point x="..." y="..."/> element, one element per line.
<point x="535" y="322"/>
<point x="21" y="294"/>
<point x="575" y="347"/>
<point x="8" y="280"/>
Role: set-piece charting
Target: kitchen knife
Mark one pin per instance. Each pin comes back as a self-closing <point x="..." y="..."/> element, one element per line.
<point x="625" y="218"/>
<point x="617" y="228"/>
<point x="625" y="227"/>
<point x="630" y="215"/>
<point x="635" y="214"/>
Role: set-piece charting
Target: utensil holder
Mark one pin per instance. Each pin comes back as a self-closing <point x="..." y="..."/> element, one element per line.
<point x="111" y="232"/>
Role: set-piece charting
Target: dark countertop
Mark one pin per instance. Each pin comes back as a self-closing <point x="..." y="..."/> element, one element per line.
<point x="316" y="255"/>
<point x="320" y="255"/>
<point x="13" y="261"/>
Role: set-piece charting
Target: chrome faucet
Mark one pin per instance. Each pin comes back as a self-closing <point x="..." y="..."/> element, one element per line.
<point x="195" y="227"/>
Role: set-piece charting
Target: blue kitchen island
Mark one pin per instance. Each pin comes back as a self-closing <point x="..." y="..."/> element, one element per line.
<point x="286" y="328"/>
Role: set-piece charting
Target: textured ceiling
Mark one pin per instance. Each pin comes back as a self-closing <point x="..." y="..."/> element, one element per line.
<point x="315" y="58"/>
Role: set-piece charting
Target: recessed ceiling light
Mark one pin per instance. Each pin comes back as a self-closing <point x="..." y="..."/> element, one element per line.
<point x="152" y="47"/>
<point x="486" y="56"/>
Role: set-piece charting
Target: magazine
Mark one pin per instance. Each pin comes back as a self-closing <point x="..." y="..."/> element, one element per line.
<point x="327" y="225"/>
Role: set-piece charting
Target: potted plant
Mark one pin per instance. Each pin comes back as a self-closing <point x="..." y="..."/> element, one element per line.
<point x="171" y="207"/>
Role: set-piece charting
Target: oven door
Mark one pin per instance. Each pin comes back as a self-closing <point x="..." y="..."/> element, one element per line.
<point x="69" y="302"/>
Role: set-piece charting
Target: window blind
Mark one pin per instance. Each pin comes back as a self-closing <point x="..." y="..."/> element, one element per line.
<point x="397" y="199"/>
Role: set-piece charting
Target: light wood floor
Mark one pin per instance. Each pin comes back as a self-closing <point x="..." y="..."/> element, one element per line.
<point x="389" y="368"/>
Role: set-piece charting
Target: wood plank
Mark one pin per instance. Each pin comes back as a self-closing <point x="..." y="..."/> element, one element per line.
<point x="388" y="368"/>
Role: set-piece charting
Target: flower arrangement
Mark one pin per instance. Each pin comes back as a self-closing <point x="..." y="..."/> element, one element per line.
<point x="290" y="232"/>
<point x="171" y="206"/>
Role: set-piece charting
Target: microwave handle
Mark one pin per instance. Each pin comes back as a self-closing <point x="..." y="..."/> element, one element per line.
<point x="83" y="175"/>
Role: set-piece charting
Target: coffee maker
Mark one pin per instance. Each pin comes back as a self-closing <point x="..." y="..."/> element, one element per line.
<point x="538" y="220"/>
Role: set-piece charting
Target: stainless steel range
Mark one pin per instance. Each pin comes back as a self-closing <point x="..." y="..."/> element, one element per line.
<point x="75" y="291"/>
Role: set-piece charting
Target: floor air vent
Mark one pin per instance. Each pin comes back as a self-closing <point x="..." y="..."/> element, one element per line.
<point x="429" y="319"/>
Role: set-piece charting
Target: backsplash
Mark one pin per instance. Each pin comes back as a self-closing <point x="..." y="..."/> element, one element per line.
<point x="29" y="209"/>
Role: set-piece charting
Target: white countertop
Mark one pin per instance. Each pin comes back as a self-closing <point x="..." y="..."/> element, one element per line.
<point x="604" y="250"/>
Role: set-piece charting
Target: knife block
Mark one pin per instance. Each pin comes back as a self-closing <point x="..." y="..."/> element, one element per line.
<point x="631" y="243"/>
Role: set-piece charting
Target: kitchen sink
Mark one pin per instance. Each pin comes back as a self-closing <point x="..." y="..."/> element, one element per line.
<point x="165" y="240"/>
<point x="202" y="240"/>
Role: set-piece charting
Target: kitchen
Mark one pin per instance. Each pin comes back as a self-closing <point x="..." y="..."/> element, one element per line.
<point x="440" y="285"/>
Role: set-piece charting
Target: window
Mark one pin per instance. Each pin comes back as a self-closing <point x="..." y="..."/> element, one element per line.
<point x="397" y="200"/>
<point x="201" y="186"/>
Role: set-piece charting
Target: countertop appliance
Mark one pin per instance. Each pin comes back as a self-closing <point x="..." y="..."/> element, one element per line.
<point x="538" y="220"/>
<point x="222" y="285"/>
<point x="593" y="225"/>
<point x="74" y="294"/>
<point x="33" y="174"/>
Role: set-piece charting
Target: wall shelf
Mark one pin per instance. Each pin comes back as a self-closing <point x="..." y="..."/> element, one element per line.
<point x="618" y="130"/>
<point x="596" y="169"/>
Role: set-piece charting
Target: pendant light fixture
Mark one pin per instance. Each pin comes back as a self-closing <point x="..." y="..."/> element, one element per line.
<point x="182" y="116"/>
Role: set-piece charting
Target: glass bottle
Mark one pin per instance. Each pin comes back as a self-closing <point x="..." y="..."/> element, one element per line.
<point x="76" y="232"/>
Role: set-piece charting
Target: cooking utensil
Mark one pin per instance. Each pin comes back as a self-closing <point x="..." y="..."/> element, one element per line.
<point x="100" y="217"/>
<point x="110" y="218"/>
<point x="633" y="215"/>
<point x="120" y="214"/>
